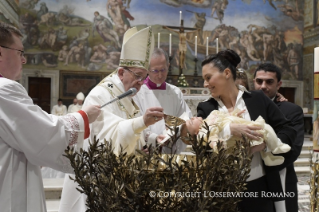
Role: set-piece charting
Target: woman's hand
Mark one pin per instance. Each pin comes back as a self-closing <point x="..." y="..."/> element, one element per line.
<point x="250" y="132"/>
<point x="257" y="148"/>
<point x="241" y="112"/>
<point x="281" y="98"/>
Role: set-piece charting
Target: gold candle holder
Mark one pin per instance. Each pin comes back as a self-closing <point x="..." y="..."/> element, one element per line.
<point x="314" y="165"/>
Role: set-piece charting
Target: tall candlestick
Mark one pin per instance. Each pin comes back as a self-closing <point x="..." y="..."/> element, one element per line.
<point x="180" y="17"/>
<point x="207" y="46"/>
<point x="316" y="60"/>
<point x="170" y="44"/>
<point x="216" y="45"/>
<point x="158" y="40"/>
<point x="196" y="46"/>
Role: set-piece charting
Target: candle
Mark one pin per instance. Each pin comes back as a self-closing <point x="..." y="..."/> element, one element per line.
<point x="316" y="60"/>
<point x="180" y="17"/>
<point x="216" y="45"/>
<point x="207" y="46"/>
<point x="158" y="40"/>
<point x="170" y="44"/>
<point x="196" y="46"/>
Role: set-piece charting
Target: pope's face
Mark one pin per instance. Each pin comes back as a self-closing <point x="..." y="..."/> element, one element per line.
<point x="132" y="77"/>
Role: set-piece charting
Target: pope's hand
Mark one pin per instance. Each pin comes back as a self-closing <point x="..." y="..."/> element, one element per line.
<point x="153" y="115"/>
<point x="93" y="111"/>
<point x="160" y="138"/>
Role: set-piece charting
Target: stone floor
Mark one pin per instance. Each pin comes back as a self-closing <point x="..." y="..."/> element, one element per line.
<point x="303" y="193"/>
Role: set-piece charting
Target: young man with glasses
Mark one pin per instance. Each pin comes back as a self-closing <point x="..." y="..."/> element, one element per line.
<point x="157" y="92"/>
<point x="267" y="78"/>
<point x="120" y="122"/>
<point x="30" y="137"/>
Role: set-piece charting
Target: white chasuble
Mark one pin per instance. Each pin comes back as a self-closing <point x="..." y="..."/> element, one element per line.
<point x="120" y="123"/>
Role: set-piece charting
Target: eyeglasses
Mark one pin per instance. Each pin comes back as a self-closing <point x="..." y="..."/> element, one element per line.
<point x="158" y="71"/>
<point x="268" y="81"/>
<point x="137" y="77"/>
<point x="21" y="51"/>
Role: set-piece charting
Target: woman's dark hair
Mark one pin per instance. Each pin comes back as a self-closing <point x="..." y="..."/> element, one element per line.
<point x="224" y="59"/>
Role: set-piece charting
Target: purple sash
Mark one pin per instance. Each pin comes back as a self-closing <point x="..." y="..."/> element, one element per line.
<point x="152" y="86"/>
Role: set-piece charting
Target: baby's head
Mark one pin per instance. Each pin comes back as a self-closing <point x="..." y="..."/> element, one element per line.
<point x="193" y="125"/>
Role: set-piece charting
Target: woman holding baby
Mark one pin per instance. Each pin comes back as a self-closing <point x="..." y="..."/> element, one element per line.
<point x="219" y="74"/>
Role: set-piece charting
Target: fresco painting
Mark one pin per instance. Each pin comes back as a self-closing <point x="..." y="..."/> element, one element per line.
<point x="86" y="35"/>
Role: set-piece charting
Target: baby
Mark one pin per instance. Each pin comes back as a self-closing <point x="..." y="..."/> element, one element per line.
<point x="217" y="120"/>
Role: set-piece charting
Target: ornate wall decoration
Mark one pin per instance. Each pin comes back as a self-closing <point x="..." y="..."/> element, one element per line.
<point x="64" y="36"/>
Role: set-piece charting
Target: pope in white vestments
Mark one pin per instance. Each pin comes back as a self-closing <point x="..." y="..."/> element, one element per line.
<point x="120" y="122"/>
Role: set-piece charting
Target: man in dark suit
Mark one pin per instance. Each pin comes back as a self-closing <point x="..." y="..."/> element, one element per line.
<point x="267" y="78"/>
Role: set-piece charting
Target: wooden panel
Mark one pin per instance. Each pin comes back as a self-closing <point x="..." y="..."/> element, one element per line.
<point x="288" y="93"/>
<point x="40" y="92"/>
<point x="71" y="83"/>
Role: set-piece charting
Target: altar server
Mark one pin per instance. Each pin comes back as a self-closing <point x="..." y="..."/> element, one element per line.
<point x="157" y="92"/>
<point x="80" y="98"/>
<point x="59" y="109"/>
<point x="29" y="137"/>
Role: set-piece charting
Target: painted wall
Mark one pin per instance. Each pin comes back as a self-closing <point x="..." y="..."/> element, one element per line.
<point x="85" y="35"/>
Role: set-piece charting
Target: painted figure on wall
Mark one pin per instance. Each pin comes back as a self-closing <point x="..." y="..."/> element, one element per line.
<point x="86" y="39"/>
<point x="292" y="10"/>
<point x="218" y="8"/>
<point x="119" y="15"/>
<point x="293" y="59"/>
<point x="199" y="25"/>
<point x="105" y="29"/>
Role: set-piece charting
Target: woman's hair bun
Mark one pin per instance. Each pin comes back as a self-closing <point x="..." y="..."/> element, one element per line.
<point x="231" y="56"/>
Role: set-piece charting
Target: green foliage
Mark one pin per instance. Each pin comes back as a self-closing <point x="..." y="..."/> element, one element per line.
<point x="134" y="182"/>
<point x="181" y="82"/>
<point x="314" y="180"/>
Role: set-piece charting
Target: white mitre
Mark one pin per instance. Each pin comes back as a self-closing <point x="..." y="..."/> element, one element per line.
<point x="137" y="48"/>
<point x="80" y="96"/>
